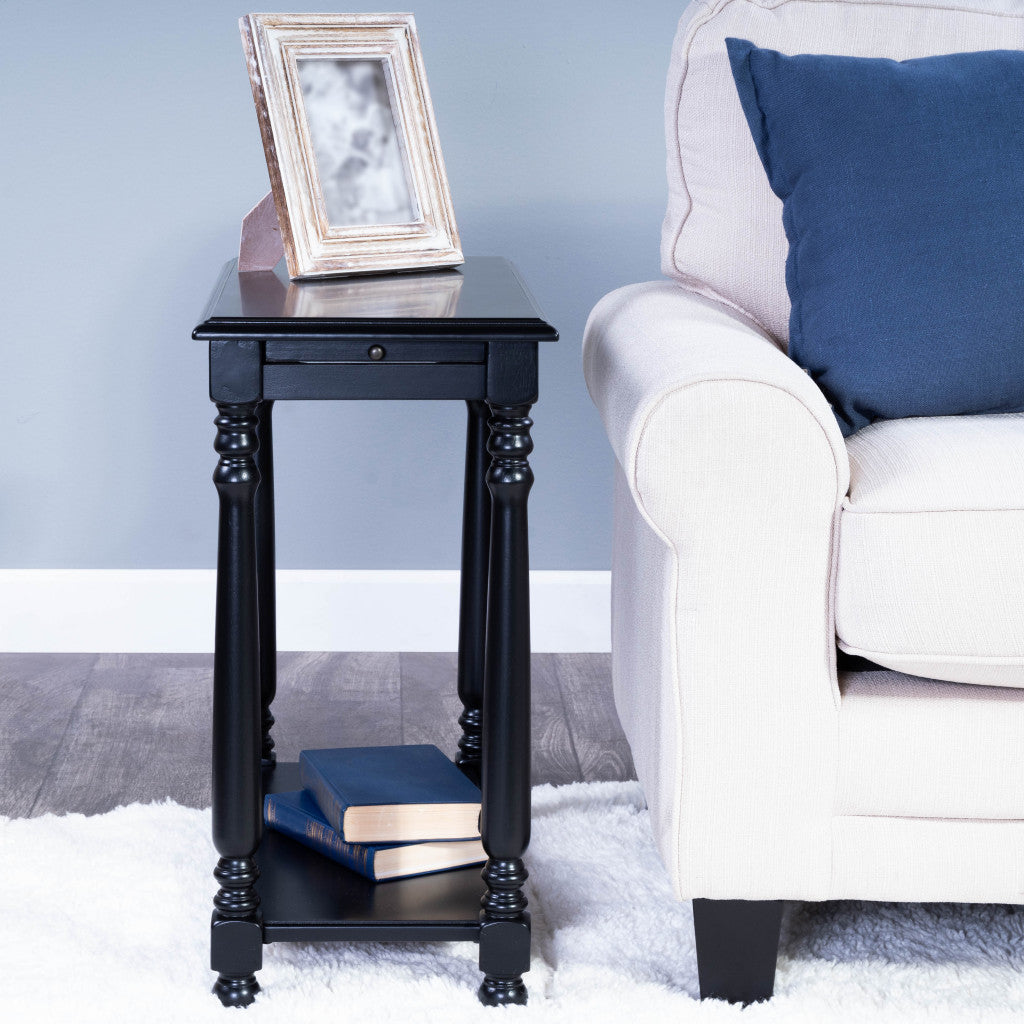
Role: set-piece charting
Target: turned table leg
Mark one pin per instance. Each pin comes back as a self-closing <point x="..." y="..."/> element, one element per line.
<point x="505" y="821"/>
<point x="236" y="948"/>
<point x="265" y="581"/>
<point x="476" y="542"/>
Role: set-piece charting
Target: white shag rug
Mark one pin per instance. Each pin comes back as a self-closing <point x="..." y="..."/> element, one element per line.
<point x="106" y="919"/>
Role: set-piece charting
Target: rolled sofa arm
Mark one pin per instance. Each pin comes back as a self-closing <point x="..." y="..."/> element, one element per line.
<point x="731" y="472"/>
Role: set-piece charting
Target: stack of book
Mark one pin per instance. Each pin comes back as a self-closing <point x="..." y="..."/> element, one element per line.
<point x="384" y="812"/>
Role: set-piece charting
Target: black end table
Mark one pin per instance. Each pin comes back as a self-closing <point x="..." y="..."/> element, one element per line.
<point x="471" y="335"/>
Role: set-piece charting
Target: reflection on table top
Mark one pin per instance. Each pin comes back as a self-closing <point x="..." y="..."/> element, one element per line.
<point x="484" y="290"/>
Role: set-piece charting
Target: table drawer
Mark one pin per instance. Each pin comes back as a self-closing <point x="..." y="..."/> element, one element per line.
<point x="368" y="349"/>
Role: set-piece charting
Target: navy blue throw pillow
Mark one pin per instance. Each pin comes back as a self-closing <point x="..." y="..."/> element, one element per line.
<point x="902" y="185"/>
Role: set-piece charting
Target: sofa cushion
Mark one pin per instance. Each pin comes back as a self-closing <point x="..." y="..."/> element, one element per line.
<point x="900" y="184"/>
<point x="911" y="747"/>
<point x="723" y="234"/>
<point x="930" y="576"/>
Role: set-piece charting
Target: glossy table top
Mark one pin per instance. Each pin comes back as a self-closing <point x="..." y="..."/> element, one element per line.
<point x="484" y="297"/>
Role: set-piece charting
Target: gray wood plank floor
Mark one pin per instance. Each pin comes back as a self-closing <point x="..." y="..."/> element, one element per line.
<point x="86" y="732"/>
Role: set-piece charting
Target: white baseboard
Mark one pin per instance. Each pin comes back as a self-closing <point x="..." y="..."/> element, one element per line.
<point x="171" y="610"/>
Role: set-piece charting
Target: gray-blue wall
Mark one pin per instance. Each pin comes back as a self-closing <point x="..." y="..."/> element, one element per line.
<point x="129" y="153"/>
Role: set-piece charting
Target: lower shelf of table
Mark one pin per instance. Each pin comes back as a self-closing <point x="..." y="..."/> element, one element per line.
<point x="306" y="897"/>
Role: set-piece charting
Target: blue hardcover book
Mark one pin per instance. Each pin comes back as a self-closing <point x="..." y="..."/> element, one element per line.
<point x="297" y="815"/>
<point x="391" y="794"/>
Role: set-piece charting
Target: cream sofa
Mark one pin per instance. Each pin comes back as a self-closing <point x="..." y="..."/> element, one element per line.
<point x="751" y="542"/>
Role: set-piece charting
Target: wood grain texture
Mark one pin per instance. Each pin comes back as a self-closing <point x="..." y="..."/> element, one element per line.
<point x="38" y="699"/>
<point x="600" y="743"/>
<point x="140" y="732"/>
<point x="430" y="704"/>
<point x="431" y="708"/>
<point x="554" y="753"/>
<point x="336" y="700"/>
<point x="88" y="733"/>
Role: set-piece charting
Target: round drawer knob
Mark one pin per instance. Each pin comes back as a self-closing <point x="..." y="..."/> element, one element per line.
<point x="376" y="352"/>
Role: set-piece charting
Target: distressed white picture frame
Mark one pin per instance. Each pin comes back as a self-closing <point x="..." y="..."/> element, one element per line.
<point x="274" y="43"/>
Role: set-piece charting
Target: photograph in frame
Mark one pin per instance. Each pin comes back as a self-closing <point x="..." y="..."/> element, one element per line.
<point x="356" y="143"/>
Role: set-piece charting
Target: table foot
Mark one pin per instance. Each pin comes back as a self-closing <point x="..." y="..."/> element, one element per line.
<point x="236" y="991"/>
<point x="504" y="933"/>
<point x="502" y="991"/>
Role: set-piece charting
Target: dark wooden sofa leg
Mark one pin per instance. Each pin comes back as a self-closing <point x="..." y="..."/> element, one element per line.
<point x="737" y="945"/>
